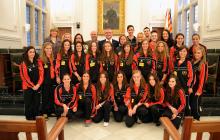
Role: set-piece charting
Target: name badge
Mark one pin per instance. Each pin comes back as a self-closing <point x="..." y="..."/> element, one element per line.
<point x="92" y="64"/>
<point x="80" y="97"/>
<point x="45" y="66"/>
<point x="175" y="73"/>
<point x="121" y="64"/>
<point x="132" y="100"/>
<point x="141" y="64"/>
<point x="63" y="63"/>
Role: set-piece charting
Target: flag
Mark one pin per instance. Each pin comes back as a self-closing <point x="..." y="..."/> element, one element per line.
<point x="168" y="21"/>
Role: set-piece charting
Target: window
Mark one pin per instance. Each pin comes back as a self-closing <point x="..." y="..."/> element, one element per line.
<point x="28" y="18"/>
<point x="36" y="13"/>
<point x="179" y="23"/>
<point x="196" y="14"/>
<point x="180" y="4"/>
<point x="43" y="25"/>
<point x="36" y="28"/>
<point x="186" y="2"/>
<point x="187" y="27"/>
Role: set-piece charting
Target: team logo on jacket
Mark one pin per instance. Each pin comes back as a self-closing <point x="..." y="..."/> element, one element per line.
<point x="92" y="64"/>
<point x="184" y="73"/>
<point x="63" y="63"/>
<point x="175" y="73"/>
<point x="45" y="66"/>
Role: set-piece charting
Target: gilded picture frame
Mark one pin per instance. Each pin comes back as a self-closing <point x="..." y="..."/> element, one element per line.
<point x="111" y="14"/>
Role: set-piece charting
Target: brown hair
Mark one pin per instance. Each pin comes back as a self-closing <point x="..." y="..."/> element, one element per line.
<point x="165" y="53"/>
<point x="43" y="54"/>
<point x="115" y="82"/>
<point x="90" y="49"/>
<point x="69" y="53"/>
<point x="157" y="87"/>
<point x="99" y="85"/>
<point x="131" y="53"/>
<point x="104" y="56"/>
<point x="149" y="51"/>
<point x="142" y="82"/>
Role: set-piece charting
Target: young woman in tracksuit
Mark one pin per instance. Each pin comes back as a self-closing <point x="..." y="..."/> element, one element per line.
<point x="161" y="54"/>
<point x="77" y="63"/>
<point x="109" y="60"/>
<point x="65" y="98"/>
<point x="31" y="72"/>
<point x="200" y="72"/>
<point x="145" y="60"/>
<point x="183" y="70"/>
<point x="174" y="51"/>
<point x="120" y="88"/>
<point x="62" y="61"/>
<point x="86" y="97"/>
<point x="155" y="98"/>
<point x="49" y="82"/>
<point x="105" y="98"/>
<point x="134" y="99"/>
<point x="174" y="101"/>
<point x="93" y="62"/>
<point x="126" y="63"/>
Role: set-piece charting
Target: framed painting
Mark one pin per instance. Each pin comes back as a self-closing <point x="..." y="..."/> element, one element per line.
<point x="111" y="14"/>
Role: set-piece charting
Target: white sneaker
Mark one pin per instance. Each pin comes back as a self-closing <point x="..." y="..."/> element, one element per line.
<point x="106" y="124"/>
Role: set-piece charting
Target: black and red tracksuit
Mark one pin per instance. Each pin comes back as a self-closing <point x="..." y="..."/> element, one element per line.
<point x="86" y="100"/>
<point x="198" y="84"/>
<point x="62" y="96"/>
<point x="162" y="67"/>
<point x="105" y="100"/>
<point x="145" y="63"/>
<point x="62" y="65"/>
<point x="126" y="68"/>
<point x="184" y="73"/>
<point x="178" y="102"/>
<point x="133" y="96"/>
<point x="31" y="75"/>
<point x="155" y="105"/>
<point x="174" y="55"/>
<point x="119" y="100"/>
<point x="48" y="87"/>
<point x="110" y="67"/>
<point x="78" y="67"/>
<point x="93" y="66"/>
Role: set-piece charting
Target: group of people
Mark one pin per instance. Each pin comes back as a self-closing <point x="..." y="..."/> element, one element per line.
<point x="139" y="79"/>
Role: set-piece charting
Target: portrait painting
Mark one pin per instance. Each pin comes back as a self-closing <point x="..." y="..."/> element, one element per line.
<point x="111" y="15"/>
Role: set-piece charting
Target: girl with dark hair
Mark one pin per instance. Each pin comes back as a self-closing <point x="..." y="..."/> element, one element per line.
<point x="86" y="97"/>
<point x="126" y="63"/>
<point x="155" y="98"/>
<point x="162" y="57"/>
<point x="167" y="37"/>
<point x="174" y="101"/>
<point x="174" y="51"/>
<point x="93" y="62"/>
<point x="122" y="40"/>
<point x="65" y="98"/>
<point x="183" y="70"/>
<point x="120" y="88"/>
<point x="77" y="63"/>
<point x="109" y="60"/>
<point x="62" y="61"/>
<point x="105" y="98"/>
<point x="79" y="38"/>
<point x="134" y="99"/>
<point x="49" y="82"/>
<point x="145" y="60"/>
<point x="31" y="72"/>
<point x="200" y="71"/>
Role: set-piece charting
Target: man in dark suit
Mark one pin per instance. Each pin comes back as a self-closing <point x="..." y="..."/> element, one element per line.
<point x="108" y="37"/>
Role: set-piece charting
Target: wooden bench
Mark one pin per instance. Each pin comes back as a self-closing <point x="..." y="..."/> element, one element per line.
<point x="189" y="127"/>
<point x="9" y="130"/>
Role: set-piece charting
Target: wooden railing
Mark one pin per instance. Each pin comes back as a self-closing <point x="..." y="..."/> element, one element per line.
<point x="9" y="130"/>
<point x="189" y="127"/>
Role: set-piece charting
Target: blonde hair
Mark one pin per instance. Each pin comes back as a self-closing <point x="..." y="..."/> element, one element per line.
<point x="203" y="60"/>
<point x="43" y="54"/>
<point x="164" y="53"/>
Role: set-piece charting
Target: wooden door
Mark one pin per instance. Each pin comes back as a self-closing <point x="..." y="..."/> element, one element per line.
<point x="63" y="30"/>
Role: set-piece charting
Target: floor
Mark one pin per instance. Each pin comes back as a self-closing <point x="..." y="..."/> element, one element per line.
<point x="76" y="130"/>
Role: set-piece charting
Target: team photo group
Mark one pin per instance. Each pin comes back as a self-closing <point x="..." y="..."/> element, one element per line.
<point x="137" y="78"/>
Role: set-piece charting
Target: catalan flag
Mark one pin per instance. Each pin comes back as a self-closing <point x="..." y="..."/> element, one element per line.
<point x="168" y="20"/>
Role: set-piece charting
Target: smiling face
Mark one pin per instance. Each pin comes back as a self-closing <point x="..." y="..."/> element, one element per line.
<point x="198" y="54"/>
<point x="195" y="40"/>
<point x="145" y="45"/>
<point x="172" y="82"/>
<point x="31" y="53"/>
<point x="108" y="47"/>
<point x="130" y="30"/>
<point x="120" y="78"/>
<point x="48" y="50"/>
<point x="66" y="79"/>
<point x="165" y="35"/>
<point x="94" y="47"/>
<point x="127" y="48"/>
<point x="160" y="47"/>
<point x="102" y="79"/>
<point x="79" y="47"/>
<point x="152" y="81"/>
<point x="66" y="46"/>
<point x="137" y="78"/>
<point x="183" y="53"/>
<point x="180" y="40"/>
<point x="85" y="78"/>
<point x="122" y="40"/>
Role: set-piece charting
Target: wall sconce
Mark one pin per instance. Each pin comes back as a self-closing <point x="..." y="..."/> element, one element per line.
<point x="77" y="25"/>
<point x="196" y="27"/>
